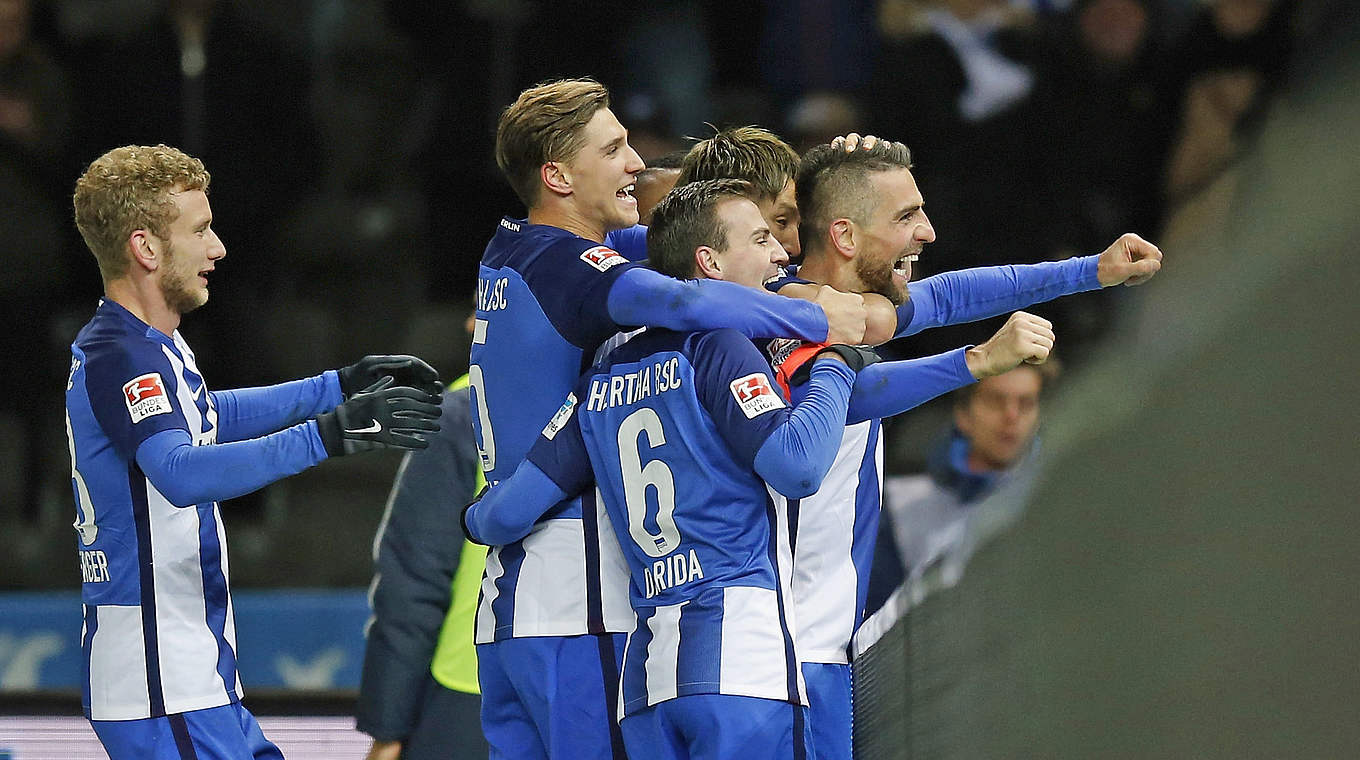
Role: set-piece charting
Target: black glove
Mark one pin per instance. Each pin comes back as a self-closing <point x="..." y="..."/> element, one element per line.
<point x="857" y="357"/>
<point x="404" y="370"/>
<point x="381" y="416"/>
<point x="462" y="516"/>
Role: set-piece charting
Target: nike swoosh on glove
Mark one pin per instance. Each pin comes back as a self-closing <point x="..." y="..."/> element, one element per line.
<point x="381" y="416"/>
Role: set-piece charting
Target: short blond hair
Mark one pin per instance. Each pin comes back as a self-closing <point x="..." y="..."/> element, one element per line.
<point x="128" y="189"/>
<point x="545" y="123"/>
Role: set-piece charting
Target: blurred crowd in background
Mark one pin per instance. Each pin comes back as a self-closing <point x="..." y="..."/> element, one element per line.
<point x="350" y="144"/>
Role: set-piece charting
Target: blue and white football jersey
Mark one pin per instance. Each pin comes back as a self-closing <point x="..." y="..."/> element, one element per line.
<point x="671" y="423"/>
<point x="836" y="530"/>
<point x="158" y="637"/>
<point x="541" y="313"/>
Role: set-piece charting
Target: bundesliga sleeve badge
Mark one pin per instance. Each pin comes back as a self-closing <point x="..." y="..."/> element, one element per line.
<point x="145" y="397"/>
<point x="602" y="257"/>
<point x="754" y="395"/>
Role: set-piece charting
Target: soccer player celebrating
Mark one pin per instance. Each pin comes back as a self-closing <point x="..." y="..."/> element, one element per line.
<point x="863" y="224"/>
<point x="551" y="289"/>
<point x="684" y="431"/>
<point x="153" y="451"/>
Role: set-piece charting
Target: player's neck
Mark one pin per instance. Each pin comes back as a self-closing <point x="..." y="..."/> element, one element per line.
<point x="829" y="269"/>
<point x="145" y="302"/>
<point x="566" y="218"/>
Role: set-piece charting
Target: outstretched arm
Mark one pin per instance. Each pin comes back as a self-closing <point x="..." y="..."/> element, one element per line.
<point x="972" y="294"/>
<point x="187" y="475"/>
<point x="888" y="388"/>
<point x="246" y="413"/>
<point x="641" y="296"/>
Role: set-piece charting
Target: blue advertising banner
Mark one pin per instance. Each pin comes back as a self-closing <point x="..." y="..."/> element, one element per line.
<point x="298" y="639"/>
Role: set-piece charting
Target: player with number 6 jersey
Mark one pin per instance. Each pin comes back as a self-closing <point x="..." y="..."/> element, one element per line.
<point x="684" y="432"/>
<point x="551" y="289"/>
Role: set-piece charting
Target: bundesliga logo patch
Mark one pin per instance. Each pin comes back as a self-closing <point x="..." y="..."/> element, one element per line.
<point x="602" y="257"/>
<point x="754" y="395"/>
<point x="145" y="397"/>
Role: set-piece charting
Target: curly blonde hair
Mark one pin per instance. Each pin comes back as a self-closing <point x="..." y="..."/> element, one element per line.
<point x="129" y="189"/>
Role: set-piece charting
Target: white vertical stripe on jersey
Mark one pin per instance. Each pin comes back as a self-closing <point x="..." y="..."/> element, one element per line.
<point x="550" y="592"/>
<point x="118" y="688"/>
<point x="486" y="621"/>
<point x="754" y="662"/>
<point x="187" y="646"/>
<point x="784" y="557"/>
<point x="663" y="653"/>
<point x="614" y="603"/>
<point x="825" y="582"/>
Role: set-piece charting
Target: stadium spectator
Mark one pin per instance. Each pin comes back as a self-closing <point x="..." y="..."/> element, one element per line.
<point x="925" y="516"/>
<point x="153" y="451"/>
<point x="551" y="289"/>
<point x="819" y="117"/>
<point x="35" y="120"/>
<point x="956" y="79"/>
<point x="1103" y="108"/>
<point x="418" y="696"/>
<point x="1226" y="67"/>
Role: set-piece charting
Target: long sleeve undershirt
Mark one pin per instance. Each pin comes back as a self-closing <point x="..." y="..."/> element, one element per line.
<point x="187" y="475"/>
<point x="246" y="413"/>
<point x="889" y="388"/>
<point x="968" y="295"/>
<point x="642" y="296"/>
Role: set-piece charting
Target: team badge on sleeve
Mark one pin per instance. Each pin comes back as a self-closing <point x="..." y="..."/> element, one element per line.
<point x="145" y="397"/>
<point x="602" y="257"/>
<point x="754" y="395"/>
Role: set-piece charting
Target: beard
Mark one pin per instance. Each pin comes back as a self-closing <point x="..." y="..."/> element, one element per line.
<point x="878" y="278"/>
<point x="179" y="295"/>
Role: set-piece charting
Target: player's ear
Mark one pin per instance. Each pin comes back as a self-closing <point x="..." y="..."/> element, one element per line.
<point x="841" y="235"/>
<point x="145" y="250"/>
<point x="555" y="176"/>
<point x="706" y="261"/>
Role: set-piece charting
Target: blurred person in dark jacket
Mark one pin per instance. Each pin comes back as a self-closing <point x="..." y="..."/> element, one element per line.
<point x="1225" y="69"/>
<point x="418" y="695"/>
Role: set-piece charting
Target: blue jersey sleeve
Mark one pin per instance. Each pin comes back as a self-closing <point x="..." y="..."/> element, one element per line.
<point x="252" y="412"/>
<point x="557" y="468"/>
<point x="791" y="449"/>
<point x="888" y="388"/>
<point x="187" y="474"/>
<point x="571" y="280"/>
<point x="971" y="294"/>
<point x="133" y="393"/>
<point x="631" y="242"/>
<point x="643" y="297"/>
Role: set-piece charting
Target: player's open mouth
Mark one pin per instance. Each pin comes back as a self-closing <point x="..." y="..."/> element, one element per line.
<point x="903" y="265"/>
<point x="625" y="193"/>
